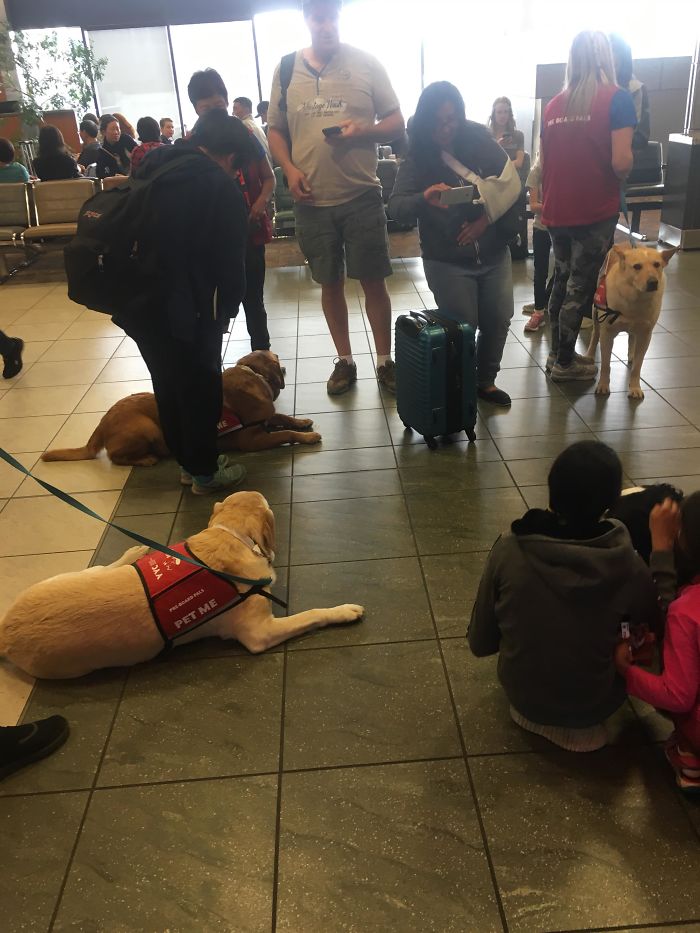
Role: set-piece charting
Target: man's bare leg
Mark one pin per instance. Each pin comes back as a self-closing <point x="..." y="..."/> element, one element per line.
<point x="378" y="306"/>
<point x="335" y="308"/>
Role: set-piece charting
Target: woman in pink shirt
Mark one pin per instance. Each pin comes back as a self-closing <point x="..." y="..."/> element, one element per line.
<point x="677" y="690"/>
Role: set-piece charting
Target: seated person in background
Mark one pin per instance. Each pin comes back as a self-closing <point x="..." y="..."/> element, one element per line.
<point x="91" y="117"/>
<point x="126" y="128"/>
<point x="206" y="92"/>
<point x="676" y="692"/>
<point x="149" y="134"/>
<point x="502" y="126"/>
<point x="622" y="56"/>
<point x="167" y="130"/>
<point x="261" y="111"/>
<point x="552" y="599"/>
<point x="54" y="162"/>
<point x="88" y="134"/>
<point x="114" y="157"/>
<point x="10" y="171"/>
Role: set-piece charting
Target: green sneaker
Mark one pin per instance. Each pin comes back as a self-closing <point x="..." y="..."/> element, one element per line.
<point x="224" y="478"/>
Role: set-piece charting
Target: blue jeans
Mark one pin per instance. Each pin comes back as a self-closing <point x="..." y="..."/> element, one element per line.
<point x="481" y="296"/>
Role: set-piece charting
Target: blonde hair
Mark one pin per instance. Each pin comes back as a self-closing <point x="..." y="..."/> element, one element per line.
<point x="590" y="65"/>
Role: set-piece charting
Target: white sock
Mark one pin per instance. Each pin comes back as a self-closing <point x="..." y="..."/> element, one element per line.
<point x="382" y="358"/>
<point x="348" y="358"/>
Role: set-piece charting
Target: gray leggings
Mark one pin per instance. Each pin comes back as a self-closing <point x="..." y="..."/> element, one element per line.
<point x="481" y="296"/>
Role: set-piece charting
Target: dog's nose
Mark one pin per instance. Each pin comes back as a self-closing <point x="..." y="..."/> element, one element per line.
<point x="652" y="285"/>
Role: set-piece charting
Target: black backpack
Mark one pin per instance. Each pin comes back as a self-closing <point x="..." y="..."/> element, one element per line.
<point x="109" y="265"/>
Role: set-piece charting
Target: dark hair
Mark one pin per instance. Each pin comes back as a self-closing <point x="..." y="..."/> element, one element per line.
<point x="510" y="125"/>
<point x="584" y="482"/>
<point x="221" y="135"/>
<point x="51" y="141"/>
<point x="92" y="129"/>
<point x="308" y="5"/>
<point x="91" y="117"/>
<point x="622" y="56"/>
<point x="7" y="150"/>
<point x="164" y="120"/>
<point x="263" y="107"/>
<point x="105" y="120"/>
<point x="690" y="536"/>
<point x="207" y="83"/>
<point x="245" y="101"/>
<point x="148" y="130"/>
<point x="422" y="123"/>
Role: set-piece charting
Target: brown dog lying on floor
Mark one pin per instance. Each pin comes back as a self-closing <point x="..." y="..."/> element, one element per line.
<point x="130" y="431"/>
<point x="75" y="623"/>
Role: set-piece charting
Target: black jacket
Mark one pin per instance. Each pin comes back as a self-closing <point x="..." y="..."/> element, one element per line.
<point x="57" y="167"/>
<point x="438" y="228"/>
<point x="551" y="602"/>
<point x="198" y="233"/>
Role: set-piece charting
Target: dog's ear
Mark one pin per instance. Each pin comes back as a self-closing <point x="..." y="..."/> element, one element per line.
<point x="218" y="506"/>
<point x="619" y="254"/>
<point x="668" y="254"/>
<point x="268" y="534"/>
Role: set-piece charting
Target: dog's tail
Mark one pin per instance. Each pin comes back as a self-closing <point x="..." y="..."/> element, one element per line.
<point x="88" y="452"/>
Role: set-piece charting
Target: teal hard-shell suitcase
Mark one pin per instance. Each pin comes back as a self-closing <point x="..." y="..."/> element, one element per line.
<point x="435" y="375"/>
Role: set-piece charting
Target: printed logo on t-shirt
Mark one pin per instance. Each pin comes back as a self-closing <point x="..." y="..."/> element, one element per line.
<point x="582" y="118"/>
<point x="319" y="107"/>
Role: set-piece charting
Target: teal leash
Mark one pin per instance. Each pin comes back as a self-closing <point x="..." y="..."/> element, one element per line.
<point x="142" y="539"/>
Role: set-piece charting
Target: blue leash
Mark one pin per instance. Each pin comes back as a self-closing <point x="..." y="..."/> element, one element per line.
<point x="142" y="539"/>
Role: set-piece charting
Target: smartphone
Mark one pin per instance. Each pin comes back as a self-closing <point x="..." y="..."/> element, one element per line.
<point x="455" y="196"/>
<point x="332" y="130"/>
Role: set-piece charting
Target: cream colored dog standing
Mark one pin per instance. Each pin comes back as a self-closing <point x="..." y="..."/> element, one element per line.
<point x="635" y="284"/>
<point x="75" y="623"/>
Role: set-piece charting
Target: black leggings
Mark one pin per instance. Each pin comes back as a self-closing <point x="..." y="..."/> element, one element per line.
<point x="254" y="302"/>
<point x="187" y="386"/>
<point x="542" y="247"/>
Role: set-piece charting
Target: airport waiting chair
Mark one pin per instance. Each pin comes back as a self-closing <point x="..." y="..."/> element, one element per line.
<point x="56" y="207"/>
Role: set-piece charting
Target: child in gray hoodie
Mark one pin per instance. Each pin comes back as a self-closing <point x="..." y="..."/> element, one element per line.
<point x="553" y="598"/>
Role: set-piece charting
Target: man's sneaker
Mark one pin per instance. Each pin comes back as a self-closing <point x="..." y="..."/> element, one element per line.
<point x="529" y="308"/>
<point x="342" y="377"/>
<point x="186" y="478"/>
<point x="536" y="321"/>
<point x="576" y="371"/>
<point x="13" y="359"/>
<point x="552" y="358"/>
<point x="224" y="478"/>
<point x="21" y="745"/>
<point x="386" y="376"/>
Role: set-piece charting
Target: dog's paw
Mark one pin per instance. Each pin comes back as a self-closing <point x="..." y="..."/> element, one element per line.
<point x="312" y="437"/>
<point x="304" y="424"/>
<point x="635" y="392"/>
<point x="603" y="388"/>
<point x="347" y="613"/>
<point x="135" y="553"/>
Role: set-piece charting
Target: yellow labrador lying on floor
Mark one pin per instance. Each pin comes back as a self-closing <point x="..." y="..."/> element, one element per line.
<point x="635" y="283"/>
<point x="75" y="623"/>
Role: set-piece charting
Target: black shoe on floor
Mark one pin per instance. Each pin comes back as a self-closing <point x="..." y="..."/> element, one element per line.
<point x="13" y="359"/>
<point x="22" y="745"/>
<point x="495" y="396"/>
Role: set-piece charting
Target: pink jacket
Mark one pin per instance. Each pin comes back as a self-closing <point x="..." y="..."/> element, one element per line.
<point x="677" y="690"/>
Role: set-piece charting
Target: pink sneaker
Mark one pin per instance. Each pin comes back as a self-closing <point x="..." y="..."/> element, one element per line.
<point x="536" y="321"/>
<point x="685" y="764"/>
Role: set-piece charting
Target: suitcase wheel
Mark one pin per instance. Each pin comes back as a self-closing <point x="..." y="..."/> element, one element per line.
<point x="431" y="442"/>
<point x="471" y="434"/>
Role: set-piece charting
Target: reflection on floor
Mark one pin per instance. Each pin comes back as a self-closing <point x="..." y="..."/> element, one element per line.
<point x="363" y="778"/>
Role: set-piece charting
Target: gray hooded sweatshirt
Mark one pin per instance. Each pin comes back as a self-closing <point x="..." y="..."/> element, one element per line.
<point x="551" y="602"/>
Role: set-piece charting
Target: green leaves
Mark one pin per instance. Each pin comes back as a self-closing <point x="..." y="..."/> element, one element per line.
<point x="52" y="75"/>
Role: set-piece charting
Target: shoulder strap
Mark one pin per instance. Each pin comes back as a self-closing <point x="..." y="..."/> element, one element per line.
<point x="286" y="71"/>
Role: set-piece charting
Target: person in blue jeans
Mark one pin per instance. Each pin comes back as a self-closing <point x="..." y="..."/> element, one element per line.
<point x="464" y="248"/>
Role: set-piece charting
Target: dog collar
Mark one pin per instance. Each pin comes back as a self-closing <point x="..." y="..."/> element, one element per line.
<point x="248" y="541"/>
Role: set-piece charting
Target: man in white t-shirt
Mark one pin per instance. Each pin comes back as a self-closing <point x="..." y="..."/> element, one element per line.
<point x="340" y="218"/>
<point x="243" y="109"/>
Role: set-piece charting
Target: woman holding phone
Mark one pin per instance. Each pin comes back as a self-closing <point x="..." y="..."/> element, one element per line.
<point x="463" y="236"/>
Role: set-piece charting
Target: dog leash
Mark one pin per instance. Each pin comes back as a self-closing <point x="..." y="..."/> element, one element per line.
<point x="625" y="214"/>
<point x="142" y="539"/>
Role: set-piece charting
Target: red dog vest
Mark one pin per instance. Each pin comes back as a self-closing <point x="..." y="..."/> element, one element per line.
<point x="181" y="595"/>
<point x="228" y="422"/>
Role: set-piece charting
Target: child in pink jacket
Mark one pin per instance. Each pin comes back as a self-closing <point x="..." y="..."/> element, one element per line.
<point x="677" y="690"/>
